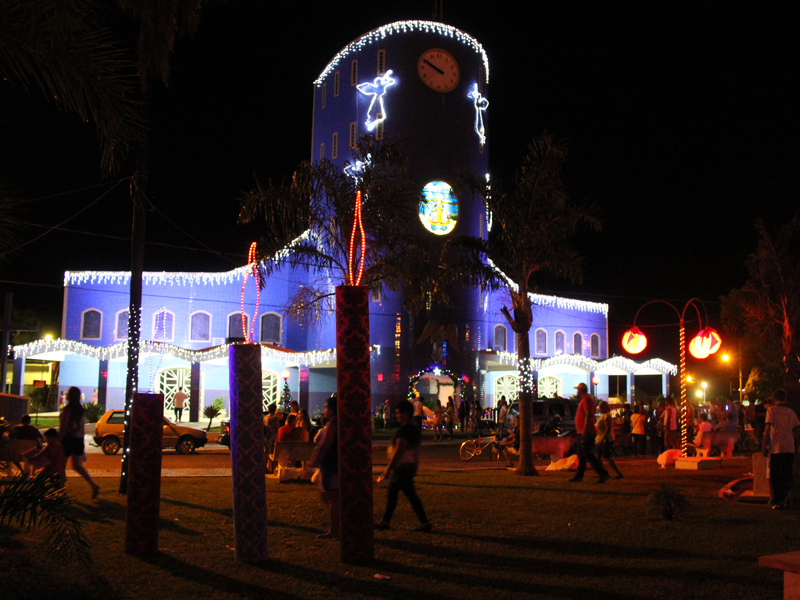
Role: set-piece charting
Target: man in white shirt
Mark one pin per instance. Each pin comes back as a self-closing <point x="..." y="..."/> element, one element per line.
<point x="780" y="431"/>
<point x="177" y="403"/>
<point x="419" y="413"/>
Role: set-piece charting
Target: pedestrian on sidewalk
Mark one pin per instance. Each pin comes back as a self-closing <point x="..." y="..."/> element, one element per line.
<point x="605" y="438"/>
<point x="781" y="430"/>
<point x="71" y="431"/>
<point x="451" y="417"/>
<point x="326" y="457"/>
<point x="584" y="424"/>
<point x="177" y="404"/>
<point x="402" y="468"/>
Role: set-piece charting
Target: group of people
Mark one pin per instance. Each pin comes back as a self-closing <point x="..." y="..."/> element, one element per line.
<point x="296" y="426"/>
<point x="53" y="449"/>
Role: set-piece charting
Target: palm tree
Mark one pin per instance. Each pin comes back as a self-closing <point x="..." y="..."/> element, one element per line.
<point x="307" y="224"/>
<point x="533" y="221"/>
<point x="61" y="47"/>
<point x="161" y="24"/>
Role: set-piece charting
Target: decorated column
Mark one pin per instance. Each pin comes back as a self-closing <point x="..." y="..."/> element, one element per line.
<point x="247" y="454"/>
<point x="194" y="393"/>
<point x="355" y="431"/>
<point x="144" y="474"/>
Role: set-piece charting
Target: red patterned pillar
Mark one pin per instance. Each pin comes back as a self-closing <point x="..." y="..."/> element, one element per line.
<point x="247" y="454"/>
<point x="144" y="474"/>
<point x="355" y="430"/>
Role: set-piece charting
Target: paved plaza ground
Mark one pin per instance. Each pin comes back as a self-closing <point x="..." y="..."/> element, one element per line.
<point x="497" y="536"/>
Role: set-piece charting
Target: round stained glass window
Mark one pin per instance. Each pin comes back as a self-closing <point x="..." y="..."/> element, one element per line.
<point x="438" y="210"/>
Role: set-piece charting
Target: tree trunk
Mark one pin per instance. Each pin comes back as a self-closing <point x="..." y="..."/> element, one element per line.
<point x="139" y="199"/>
<point x="526" y="396"/>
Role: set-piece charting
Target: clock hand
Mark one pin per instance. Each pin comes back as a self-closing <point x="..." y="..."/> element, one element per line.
<point x="431" y="65"/>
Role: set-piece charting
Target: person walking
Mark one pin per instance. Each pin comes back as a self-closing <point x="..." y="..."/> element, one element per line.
<point x="419" y="410"/>
<point x="604" y="439"/>
<point x="71" y="431"/>
<point x="477" y="414"/>
<point x="387" y="414"/>
<point x="781" y="430"/>
<point x="403" y="468"/>
<point x="502" y="413"/>
<point x="584" y="424"/>
<point x="326" y="457"/>
<point x="438" y="422"/>
<point x="671" y="435"/>
<point x="177" y="403"/>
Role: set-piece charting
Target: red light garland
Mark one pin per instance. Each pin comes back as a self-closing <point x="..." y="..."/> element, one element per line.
<point x="356" y="222"/>
<point x="251" y="261"/>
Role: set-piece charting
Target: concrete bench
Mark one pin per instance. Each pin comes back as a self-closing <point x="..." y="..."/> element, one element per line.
<point x="555" y="446"/>
<point x="724" y="440"/>
<point x="286" y="454"/>
<point x="789" y="563"/>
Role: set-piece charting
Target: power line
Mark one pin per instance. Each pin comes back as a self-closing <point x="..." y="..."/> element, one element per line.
<point x="90" y="187"/>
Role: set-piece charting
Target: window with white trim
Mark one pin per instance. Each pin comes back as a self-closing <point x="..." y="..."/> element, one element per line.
<point x="200" y="326"/>
<point x="121" y="325"/>
<point x="163" y="325"/>
<point x="500" y="337"/>
<point x="271" y="328"/>
<point x="353" y="134"/>
<point x="335" y="145"/>
<point x="322" y="152"/>
<point x="323" y="94"/>
<point x="577" y="344"/>
<point x="561" y="343"/>
<point x="379" y="127"/>
<point x="354" y="72"/>
<point x="336" y="84"/>
<point x="235" y="325"/>
<point x="91" y="324"/>
<point x="541" y="341"/>
<point x="595" y="345"/>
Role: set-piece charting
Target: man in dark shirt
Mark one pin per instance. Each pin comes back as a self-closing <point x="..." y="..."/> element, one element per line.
<point x="511" y="445"/>
<point x="403" y="468"/>
<point x="26" y="431"/>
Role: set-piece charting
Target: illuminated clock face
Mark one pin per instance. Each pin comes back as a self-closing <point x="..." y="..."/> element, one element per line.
<point x="438" y="70"/>
<point x="438" y="210"/>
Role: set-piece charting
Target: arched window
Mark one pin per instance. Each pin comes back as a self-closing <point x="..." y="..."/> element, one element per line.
<point x="163" y="325"/>
<point x="271" y="324"/>
<point x="595" y="344"/>
<point x="577" y="344"/>
<point x="200" y="326"/>
<point x="561" y="343"/>
<point x="500" y="338"/>
<point x="541" y="341"/>
<point x="121" y="326"/>
<point x="91" y="324"/>
<point x="235" y="325"/>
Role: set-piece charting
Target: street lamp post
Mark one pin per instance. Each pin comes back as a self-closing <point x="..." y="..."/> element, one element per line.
<point x="706" y="342"/>
<point x="705" y="385"/>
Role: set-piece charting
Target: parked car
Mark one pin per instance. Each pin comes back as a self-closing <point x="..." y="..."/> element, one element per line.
<point x="544" y="410"/>
<point x="109" y="430"/>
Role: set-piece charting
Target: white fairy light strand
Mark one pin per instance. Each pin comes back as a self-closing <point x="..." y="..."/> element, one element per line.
<point x="589" y="365"/>
<point x="404" y="27"/>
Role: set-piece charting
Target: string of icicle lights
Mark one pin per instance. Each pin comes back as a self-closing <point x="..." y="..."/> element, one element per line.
<point x="558" y="302"/>
<point x="120" y="351"/>
<point x="404" y="27"/>
<point x="593" y="366"/>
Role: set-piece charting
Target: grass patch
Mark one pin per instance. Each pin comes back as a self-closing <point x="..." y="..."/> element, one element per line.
<point x="497" y="535"/>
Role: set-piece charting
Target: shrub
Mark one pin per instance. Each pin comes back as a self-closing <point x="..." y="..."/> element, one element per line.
<point x="219" y="403"/>
<point x="93" y="412"/>
<point x="211" y="413"/>
<point x="668" y="501"/>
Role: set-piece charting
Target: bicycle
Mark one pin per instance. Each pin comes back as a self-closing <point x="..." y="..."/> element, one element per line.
<point x="472" y="448"/>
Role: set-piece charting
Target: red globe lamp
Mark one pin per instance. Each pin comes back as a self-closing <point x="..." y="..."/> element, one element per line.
<point x="285" y="374"/>
<point x="595" y="380"/>
<point x="634" y="341"/>
<point x="705" y="343"/>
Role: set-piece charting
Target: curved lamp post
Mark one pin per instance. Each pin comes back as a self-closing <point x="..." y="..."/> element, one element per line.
<point x="705" y="343"/>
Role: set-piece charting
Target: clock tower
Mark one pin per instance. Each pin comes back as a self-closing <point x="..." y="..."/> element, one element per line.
<point x="425" y="85"/>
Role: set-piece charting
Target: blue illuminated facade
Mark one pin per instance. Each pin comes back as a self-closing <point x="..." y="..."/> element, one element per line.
<point x="424" y="85"/>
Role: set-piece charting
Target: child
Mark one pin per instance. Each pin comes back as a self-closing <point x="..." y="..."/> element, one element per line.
<point x="50" y="459"/>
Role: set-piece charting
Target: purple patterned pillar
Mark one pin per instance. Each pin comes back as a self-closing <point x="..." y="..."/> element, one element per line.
<point x="144" y="474"/>
<point x="247" y="454"/>
<point x="355" y="431"/>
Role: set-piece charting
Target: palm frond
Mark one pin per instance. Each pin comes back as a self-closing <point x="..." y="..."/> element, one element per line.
<point x="42" y="501"/>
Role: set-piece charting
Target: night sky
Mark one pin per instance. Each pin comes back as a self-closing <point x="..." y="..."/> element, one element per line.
<point x="681" y="121"/>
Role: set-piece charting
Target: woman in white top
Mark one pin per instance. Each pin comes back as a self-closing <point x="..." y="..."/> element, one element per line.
<point x="72" y="424"/>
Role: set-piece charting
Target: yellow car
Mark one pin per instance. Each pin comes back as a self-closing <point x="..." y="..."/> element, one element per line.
<point x="108" y="434"/>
